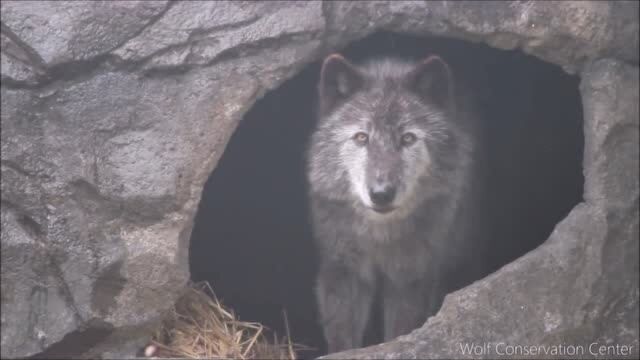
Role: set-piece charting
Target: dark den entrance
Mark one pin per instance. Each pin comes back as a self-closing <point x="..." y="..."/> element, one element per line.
<point x="252" y="241"/>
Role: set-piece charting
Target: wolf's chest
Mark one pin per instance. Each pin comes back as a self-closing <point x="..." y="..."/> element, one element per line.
<point x="396" y="247"/>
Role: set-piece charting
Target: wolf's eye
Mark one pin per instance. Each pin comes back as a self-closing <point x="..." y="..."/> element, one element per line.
<point x="408" y="139"/>
<point x="361" y="138"/>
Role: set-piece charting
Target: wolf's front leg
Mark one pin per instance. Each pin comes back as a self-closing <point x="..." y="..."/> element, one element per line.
<point x="344" y="298"/>
<point x="406" y="307"/>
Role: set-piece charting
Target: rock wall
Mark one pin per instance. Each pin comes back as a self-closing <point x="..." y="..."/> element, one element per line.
<point x="115" y="113"/>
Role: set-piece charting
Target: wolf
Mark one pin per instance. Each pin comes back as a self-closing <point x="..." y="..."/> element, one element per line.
<point x="394" y="172"/>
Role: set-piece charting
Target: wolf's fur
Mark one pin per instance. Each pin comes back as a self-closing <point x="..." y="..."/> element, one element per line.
<point x="415" y="251"/>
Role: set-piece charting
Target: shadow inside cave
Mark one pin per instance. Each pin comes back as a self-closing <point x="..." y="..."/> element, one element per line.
<point x="252" y="241"/>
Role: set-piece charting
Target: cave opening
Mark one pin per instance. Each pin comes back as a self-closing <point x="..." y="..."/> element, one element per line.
<point x="252" y="239"/>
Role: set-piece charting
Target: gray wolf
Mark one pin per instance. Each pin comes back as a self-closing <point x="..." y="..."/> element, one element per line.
<point x="394" y="168"/>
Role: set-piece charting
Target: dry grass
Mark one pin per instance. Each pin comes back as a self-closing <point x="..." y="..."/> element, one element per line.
<point x="201" y="327"/>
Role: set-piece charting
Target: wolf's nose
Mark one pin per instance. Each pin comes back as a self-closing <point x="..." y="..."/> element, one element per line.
<point x="382" y="196"/>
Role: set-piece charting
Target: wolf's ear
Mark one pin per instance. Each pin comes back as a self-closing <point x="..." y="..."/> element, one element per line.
<point x="339" y="79"/>
<point x="431" y="80"/>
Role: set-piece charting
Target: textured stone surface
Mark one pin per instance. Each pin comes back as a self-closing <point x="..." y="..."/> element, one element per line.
<point x="115" y="113"/>
<point x="56" y="32"/>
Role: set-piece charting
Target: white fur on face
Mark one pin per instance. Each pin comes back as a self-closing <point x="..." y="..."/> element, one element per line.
<point x="354" y="159"/>
<point x="346" y="133"/>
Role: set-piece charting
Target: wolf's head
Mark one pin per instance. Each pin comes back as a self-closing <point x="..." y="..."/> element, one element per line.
<point x="382" y="125"/>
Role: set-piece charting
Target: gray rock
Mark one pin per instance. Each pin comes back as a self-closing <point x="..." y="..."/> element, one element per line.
<point x="564" y="33"/>
<point x="115" y="113"/>
<point x="16" y="64"/>
<point x="56" y="32"/>
<point x="198" y="33"/>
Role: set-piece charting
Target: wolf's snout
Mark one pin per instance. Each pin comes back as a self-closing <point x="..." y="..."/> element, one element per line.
<point x="382" y="196"/>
